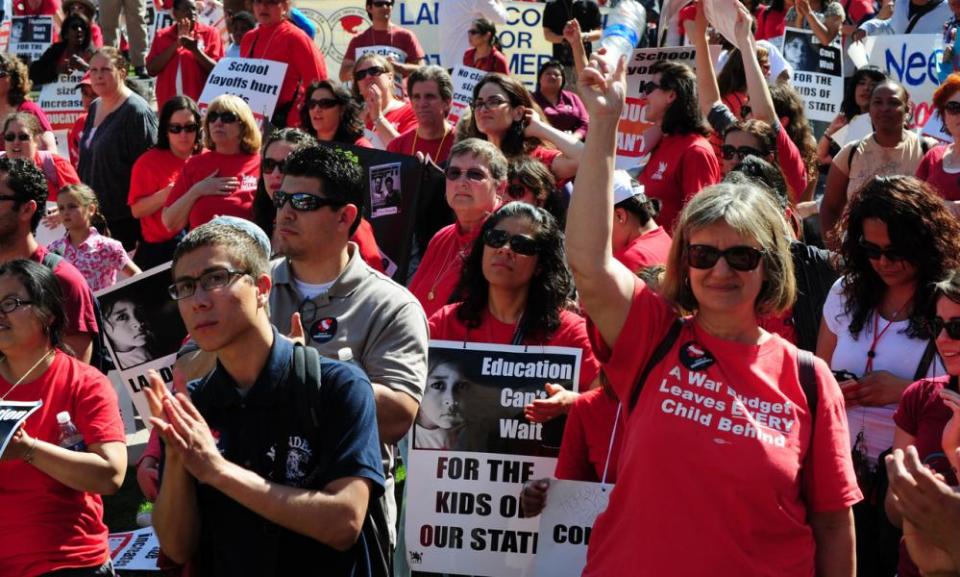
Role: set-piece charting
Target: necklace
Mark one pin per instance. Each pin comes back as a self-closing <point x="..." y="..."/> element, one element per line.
<point x="26" y="374"/>
<point x="416" y="134"/>
<point x="451" y="257"/>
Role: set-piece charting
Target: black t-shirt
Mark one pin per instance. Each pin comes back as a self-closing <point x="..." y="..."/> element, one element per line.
<point x="557" y="13"/>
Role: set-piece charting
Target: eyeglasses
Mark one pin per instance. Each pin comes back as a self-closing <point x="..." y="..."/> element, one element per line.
<point x="473" y="174"/>
<point x="304" y="201"/>
<point x="372" y="71"/>
<point x="188" y="128"/>
<point x="952" y="107"/>
<point x="209" y="281"/>
<point x="952" y="327"/>
<point x="323" y="103"/>
<point x="649" y="86"/>
<point x="268" y="165"/>
<point x="382" y="3"/>
<point x="874" y="252"/>
<point x="10" y="304"/>
<point x="741" y="152"/>
<point x="490" y="103"/>
<point x="741" y="258"/>
<point x="225" y="117"/>
<point x="520" y="244"/>
<point x="22" y="137"/>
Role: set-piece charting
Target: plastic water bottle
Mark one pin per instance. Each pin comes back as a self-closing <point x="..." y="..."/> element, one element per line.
<point x="624" y="27"/>
<point x="70" y="437"/>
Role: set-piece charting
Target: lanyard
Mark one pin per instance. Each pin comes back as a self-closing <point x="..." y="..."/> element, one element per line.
<point x="872" y="353"/>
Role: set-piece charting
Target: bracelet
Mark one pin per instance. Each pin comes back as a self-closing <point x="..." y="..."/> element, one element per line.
<point x="28" y="457"/>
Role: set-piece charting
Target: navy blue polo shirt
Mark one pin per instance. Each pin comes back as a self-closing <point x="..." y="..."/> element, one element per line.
<point x="235" y="541"/>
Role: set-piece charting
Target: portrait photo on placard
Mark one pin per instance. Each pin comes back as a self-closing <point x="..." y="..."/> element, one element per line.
<point x="385" y="190"/>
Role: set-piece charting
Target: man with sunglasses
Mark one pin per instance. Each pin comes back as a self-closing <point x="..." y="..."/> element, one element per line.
<point x="324" y="290"/>
<point x="182" y="55"/>
<point x="396" y="43"/>
<point x="431" y="93"/>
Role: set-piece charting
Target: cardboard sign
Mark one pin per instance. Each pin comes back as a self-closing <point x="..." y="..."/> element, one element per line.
<point x="12" y="415"/>
<point x="817" y="72"/>
<point x="465" y="79"/>
<point x="30" y="36"/>
<point x="255" y="80"/>
<point x="565" y="526"/>
<point x="134" y="550"/>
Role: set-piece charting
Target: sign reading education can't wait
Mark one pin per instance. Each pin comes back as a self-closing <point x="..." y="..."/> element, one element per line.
<point x="472" y="450"/>
<point x="255" y="80"/>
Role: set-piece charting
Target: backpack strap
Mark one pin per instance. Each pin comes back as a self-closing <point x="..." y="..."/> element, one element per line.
<point x="808" y="382"/>
<point x="658" y="353"/>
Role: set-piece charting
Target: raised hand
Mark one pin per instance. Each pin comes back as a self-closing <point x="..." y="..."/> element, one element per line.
<point x="603" y="92"/>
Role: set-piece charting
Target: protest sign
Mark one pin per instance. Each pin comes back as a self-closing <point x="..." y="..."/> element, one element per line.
<point x="61" y="100"/>
<point x="156" y="20"/>
<point x="472" y="450"/>
<point x="722" y="15"/>
<point x="30" y="36"/>
<point x="144" y="330"/>
<point x="817" y="72"/>
<point x="12" y="415"/>
<point x="255" y="80"/>
<point x="134" y="550"/>
<point x="914" y="61"/>
<point x="49" y="230"/>
<point x="565" y="526"/>
<point x="464" y="79"/>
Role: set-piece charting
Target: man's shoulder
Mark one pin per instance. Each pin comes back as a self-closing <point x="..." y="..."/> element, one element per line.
<point x="375" y="285"/>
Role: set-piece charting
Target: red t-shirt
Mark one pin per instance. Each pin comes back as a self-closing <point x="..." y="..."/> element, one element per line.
<point x="681" y="166"/>
<point x="73" y="139"/>
<point x="45" y="8"/>
<point x="587" y="436"/>
<point x="192" y="76"/>
<point x="367" y="245"/>
<point x="239" y="203"/>
<point x="402" y="118"/>
<point x="791" y="164"/>
<point x="931" y="171"/>
<point x="284" y="42"/>
<point x="397" y="37"/>
<point x="494" y="62"/>
<point x="58" y="170"/>
<point x="439" y="270"/>
<point x="438" y="149"/>
<point x="445" y="326"/>
<point x="645" y="250"/>
<point x="153" y="171"/>
<point x="77" y="298"/>
<point x="46" y="525"/>
<point x="546" y="156"/>
<point x="770" y="23"/>
<point x="703" y="467"/>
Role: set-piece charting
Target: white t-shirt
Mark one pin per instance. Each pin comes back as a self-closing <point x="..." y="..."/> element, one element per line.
<point x="896" y="353"/>
<point x="311" y="291"/>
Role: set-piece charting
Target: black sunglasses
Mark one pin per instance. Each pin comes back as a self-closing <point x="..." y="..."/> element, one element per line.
<point x="11" y="136"/>
<point x="741" y="258"/>
<point x="649" y="86"/>
<point x="952" y="327"/>
<point x="382" y="3"/>
<point x="304" y="201"/>
<point x="225" y="117"/>
<point x="322" y="103"/>
<point x="372" y="71"/>
<point x="178" y="128"/>
<point x="496" y="238"/>
<point x="741" y="152"/>
<point x="268" y="165"/>
<point x="952" y="107"/>
<point x="874" y="252"/>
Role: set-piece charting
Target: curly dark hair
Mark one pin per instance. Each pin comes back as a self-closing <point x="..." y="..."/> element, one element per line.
<point x="924" y="228"/>
<point x="19" y="74"/>
<point x="683" y="116"/>
<point x="548" y="289"/>
<point x="351" y="122"/>
<point x="788" y="104"/>
<point x="27" y="182"/>
<point x="338" y="170"/>
<point x="514" y="143"/>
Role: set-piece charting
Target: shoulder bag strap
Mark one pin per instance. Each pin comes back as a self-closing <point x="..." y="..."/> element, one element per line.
<point x="926" y="360"/>
<point x="661" y="351"/>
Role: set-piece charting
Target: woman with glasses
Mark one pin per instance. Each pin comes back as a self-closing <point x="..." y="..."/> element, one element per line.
<point x="120" y="127"/>
<point x="154" y="175"/>
<point x="70" y="54"/>
<point x="385" y="116"/>
<point x="15" y="86"/>
<point x="22" y="136"/>
<point x="504" y="113"/>
<point x="50" y="486"/>
<point x="276" y="38"/>
<point x="562" y="108"/>
<point x="898" y="240"/>
<point x="940" y="167"/>
<point x="330" y="114"/>
<point x="706" y="397"/>
<point x="530" y="181"/>
<point x="222" y="180"/>
<point x="485" y="51"/>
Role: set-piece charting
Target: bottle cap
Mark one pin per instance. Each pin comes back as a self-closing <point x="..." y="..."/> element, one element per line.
<point x="63" y="417"/>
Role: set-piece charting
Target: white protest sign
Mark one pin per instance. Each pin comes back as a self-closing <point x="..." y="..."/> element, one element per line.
<point x="12" y="415"/>
<point x="472" y="450"/>
<point x="722" y="15"/>
<point x="914" y="61"/>
<point x="45" y="232"/>
<point x="464" y="80"/>
<point x="856" y="129"/>
<point x="255" y="80"/>
<point x="61" y="102"/>
<point x="388" y="52"/>
<point x="565" y="526"/>
<point x="30" y="36"/>
<point x="134" y="550"/>
<point x="817" y="72"/>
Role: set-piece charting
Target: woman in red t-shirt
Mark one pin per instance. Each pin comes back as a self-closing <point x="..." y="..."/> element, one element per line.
<point x="330" y="114"/>
<point x="385" y="116"/>
<point x="222" y="180"/>
<point x="50" y="483"/>
<point x="484" y="52"/>
<point x="154" y="174"/>
<point x="22" y="135"/>
<point x="940" y="166"/>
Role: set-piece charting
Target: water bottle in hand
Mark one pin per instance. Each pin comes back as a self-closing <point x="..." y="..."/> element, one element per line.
<point x="624" y="27"/>
<point x="70" y="437"/>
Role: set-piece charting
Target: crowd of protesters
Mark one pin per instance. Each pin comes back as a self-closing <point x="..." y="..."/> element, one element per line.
<point x="819" y="279"/>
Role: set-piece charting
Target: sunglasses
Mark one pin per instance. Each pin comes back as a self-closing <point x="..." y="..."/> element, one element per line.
<point x="269" y="165"/>
<point x="952" y="327"/>
<point x="473" y="32"/>
<point x="322" y="103"/>
<point x="490" y="103"/>
<point x="372" y="71"/>
<point x="22" y="137"/>
<point x="730" y="151"/>
<point x="952" y="107"/>
<point x="224" y="117"/>
<point x="304" y="201"/>
<point x="874" y="252"/>
<point x="382" y="4"/>
<point x="473" y="174"/>
<point x="524" y="245"/>
<point x="649" y="86"/>
<point x="741" y="258"/>
<point x="178" y="128"/>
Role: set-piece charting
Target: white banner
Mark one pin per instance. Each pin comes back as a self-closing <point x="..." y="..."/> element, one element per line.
<point x="565" y="526"/>
<point x="914" y="61"/>
<point x="255" y="80"/>
<point x="134" y="550"/>
<point x="30" y="36"/>
<point x="817" y="72"/>
<point x="464" y="80"/>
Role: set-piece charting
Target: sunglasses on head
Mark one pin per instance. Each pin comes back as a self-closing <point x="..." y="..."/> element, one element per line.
<point x="11" y="136"/>
<point x="952" y="107"/>
<point x="729" y="151"/>
<point x="473" y="174"/>
<point x="304" y="201"/>
<point x="225" y="117"/>
<point x="874" y="252"/>
<point x="178" y="128"/>
<point x="952" y="327"/>
<point x="520" y="244"/>
<point x="741" y="258"/>
<point x="269" y="165"/>
<point x="372" y="71"/>
<point x="322" y="103"/>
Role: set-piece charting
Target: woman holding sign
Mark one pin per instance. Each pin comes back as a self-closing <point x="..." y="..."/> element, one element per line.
<point x="708" y="398"/>
<point x="50" y="488"/>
